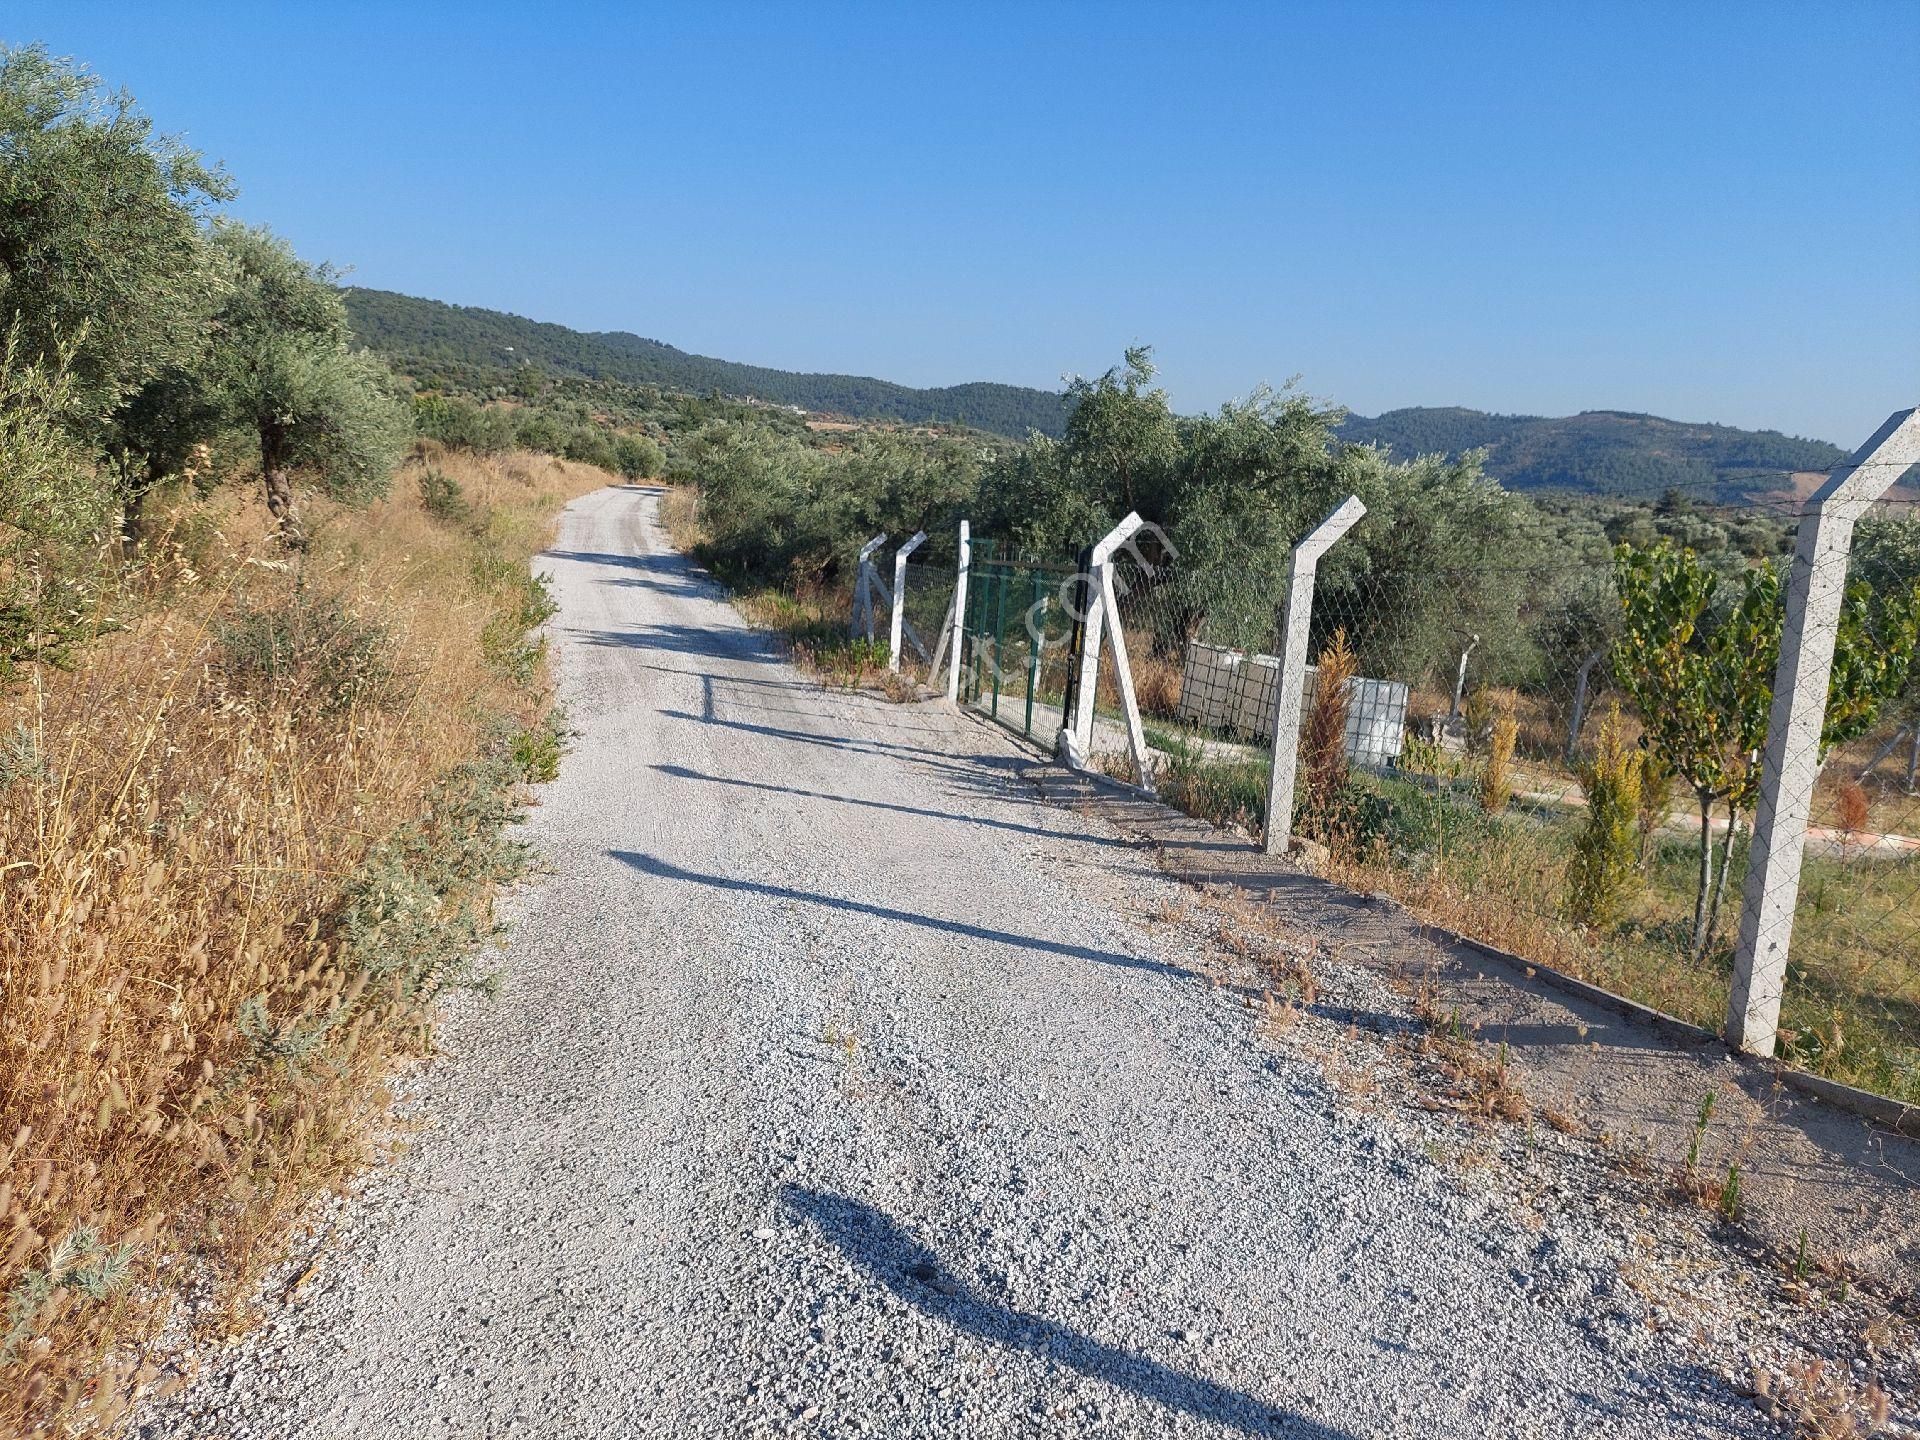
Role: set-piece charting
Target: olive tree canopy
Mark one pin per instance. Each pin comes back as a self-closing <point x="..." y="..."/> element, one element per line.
<point x="283" y="368"/>
<point x="103" y="258"/>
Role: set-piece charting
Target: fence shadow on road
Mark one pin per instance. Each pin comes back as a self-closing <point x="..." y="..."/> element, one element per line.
<point x="666" y="870"/>
<point x="884" y="1250"/>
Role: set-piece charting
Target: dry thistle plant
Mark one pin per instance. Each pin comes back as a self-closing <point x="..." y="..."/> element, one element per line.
<point x="1323" y="742"/>
<point x="1496" y="776"/>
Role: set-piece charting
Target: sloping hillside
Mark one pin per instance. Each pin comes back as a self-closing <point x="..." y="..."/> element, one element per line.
<point x="1603" y="452"/>
<point x="1607" y="452"/>
<point x="469" y="345"/>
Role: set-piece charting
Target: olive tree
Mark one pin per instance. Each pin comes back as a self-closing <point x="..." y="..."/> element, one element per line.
<point x="283" y="368"/>
<point x="102" y="250"/>
<point x="638" y="457"/>
<point x="106" y="277"/>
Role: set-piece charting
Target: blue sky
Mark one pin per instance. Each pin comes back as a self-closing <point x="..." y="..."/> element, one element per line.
<point x="1709" y="212"/>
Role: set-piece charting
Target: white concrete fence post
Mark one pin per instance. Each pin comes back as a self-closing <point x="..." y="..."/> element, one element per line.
<point x="1816" y="589"/>
<point x="1123" y="675"/>
<point x="899" y="598"/>
<point x="1099" y="580"/>
<point x="863" y="590"/>
<point x="1296" y="628"/>
<point x="958" y="631"/>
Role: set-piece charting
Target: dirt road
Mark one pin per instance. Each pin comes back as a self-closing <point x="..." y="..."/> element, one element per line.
<point x="838" y="1086"/>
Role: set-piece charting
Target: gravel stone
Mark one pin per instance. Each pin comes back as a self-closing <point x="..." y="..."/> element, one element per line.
<point x="839" y="1086"/>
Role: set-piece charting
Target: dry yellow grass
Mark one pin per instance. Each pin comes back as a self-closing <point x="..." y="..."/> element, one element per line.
<point x="193" y="1035"/>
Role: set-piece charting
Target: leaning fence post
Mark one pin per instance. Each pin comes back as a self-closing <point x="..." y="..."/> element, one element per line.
<point x="1123" y="675"/>
<point x="863" y="592"/>
<point x="1815" y="592"/>
<point x="1296" y="625"/>
<point x="900" y="597"/>
<point x="1098" y="575"/>
<point x="959" y="612"/>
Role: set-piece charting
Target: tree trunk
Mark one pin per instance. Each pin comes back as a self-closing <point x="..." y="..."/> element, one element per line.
<point x="1720" y="880"/>
<point x="1703" y="895"/>
<point x="1913" y="761"/>
<point x="133" y="511"/>
<point x="1881" y="754"/>
<point x="280" y="502"/>
<point x="135" y="487"/>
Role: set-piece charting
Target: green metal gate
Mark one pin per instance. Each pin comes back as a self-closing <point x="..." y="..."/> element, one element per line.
<point x="1017" y="633"/>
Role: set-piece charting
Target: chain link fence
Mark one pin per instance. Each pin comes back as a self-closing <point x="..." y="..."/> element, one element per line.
<point x="1562" y="760"/>
<point x="926" y="617"/>
<point x="1483" y="758"/>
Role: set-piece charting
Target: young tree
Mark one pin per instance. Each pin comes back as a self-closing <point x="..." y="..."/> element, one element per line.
<point x="159" y="431"/>
<point x="283" y="370"/>
<point x="1699" y="668"/>
<point x="1605" y="872"/>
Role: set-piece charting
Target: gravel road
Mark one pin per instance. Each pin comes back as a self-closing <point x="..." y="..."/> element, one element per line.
<point x="840" y="1087"/>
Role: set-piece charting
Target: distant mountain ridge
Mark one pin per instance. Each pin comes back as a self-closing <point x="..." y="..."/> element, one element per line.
<point x="432" y="339"/>
<point x="1604" y="452"/>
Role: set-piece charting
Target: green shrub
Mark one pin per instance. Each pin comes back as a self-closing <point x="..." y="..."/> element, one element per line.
<point x="313" y="645"/>
<point x="443" y="499"/>
<point x="462" y="424"/>
<point x="591" y="445"/>
<point x="637" y="457"/>
<point x="418" y="906"/>
<point x="526" y="603"/>
<point x="538" y="430"/>
<point x="537" y="749"/>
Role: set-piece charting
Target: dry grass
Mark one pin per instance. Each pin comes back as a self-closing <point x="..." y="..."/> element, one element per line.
<point x="1479" y="1081"/>
<point x="680" y="517"/>
<point x="228" y="898"/>
<point x="1821" y="1401"/>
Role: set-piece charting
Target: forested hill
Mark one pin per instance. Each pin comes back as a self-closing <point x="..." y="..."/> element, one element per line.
<point x="471" y="347"/>
<point x="1607" y="452"/>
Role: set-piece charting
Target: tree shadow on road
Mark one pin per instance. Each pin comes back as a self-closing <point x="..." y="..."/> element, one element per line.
<point x="681" y="772"/>
<point x="666" y="870"/>
<point x="883" y="1249"/>
<point x="667" y="574"/>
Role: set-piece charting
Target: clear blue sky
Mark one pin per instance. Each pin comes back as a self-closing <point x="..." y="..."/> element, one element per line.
<point x="1706" y="212"/>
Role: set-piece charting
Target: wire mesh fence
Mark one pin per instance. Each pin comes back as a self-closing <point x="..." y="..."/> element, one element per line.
<point x="1477" y="743"/>
<point x="1851" y="997"/>
<point x="926" y="594"/>
<point x="1541" y="756"/>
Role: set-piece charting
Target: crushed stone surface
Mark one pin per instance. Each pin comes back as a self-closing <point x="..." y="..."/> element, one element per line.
<point x="840" y="1086"/>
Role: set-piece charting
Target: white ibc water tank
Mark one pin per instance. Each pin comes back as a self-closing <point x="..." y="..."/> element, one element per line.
<point x="1207" y="684"/>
